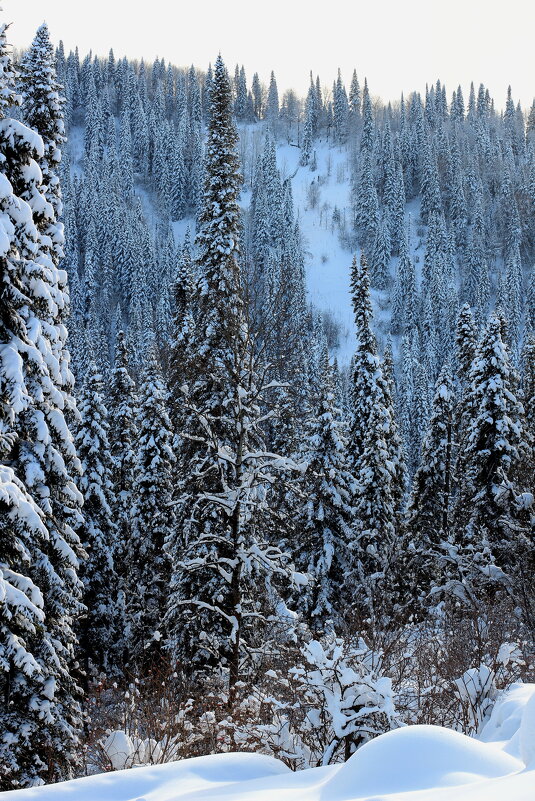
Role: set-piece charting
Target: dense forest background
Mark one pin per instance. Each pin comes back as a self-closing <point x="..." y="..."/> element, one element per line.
<point x="229" y="522"/>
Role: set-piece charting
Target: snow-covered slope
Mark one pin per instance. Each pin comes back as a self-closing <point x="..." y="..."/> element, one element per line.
<point x="416" y="763"/>
<point x="316" y="195"/>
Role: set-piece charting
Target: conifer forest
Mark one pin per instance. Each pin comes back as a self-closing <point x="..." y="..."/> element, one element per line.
<point x="267" y="413"/>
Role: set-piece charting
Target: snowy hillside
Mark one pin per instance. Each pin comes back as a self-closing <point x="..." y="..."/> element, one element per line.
<point x="416" y="763"/>
<point x="316" y="195"/>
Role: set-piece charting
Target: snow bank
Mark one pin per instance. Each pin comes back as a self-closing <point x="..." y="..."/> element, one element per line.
<point x="415" y="763"/>
<point x="418" y="758"/>
<point x="512" y="724"/>
<point x="202" y="777"/>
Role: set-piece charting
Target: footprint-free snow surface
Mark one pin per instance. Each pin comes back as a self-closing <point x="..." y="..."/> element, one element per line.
<point x="416" y="763"/>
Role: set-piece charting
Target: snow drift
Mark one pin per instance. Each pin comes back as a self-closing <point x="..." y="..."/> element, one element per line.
<point x="415" y="763"/>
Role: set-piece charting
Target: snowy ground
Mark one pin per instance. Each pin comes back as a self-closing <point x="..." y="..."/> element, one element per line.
<point x="416" y="763"/>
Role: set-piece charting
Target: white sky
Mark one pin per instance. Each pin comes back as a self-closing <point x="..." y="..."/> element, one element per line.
<point x="397" y="44"/>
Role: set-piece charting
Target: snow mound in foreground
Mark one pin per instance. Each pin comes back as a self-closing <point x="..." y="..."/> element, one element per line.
<point x="512" y="723"/>
<point x="416" y="763"/>
<point x="174" y="781"/>
<point x="418" y="758"/>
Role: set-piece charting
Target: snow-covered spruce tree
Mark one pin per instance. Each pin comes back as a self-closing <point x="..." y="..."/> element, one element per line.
<point x="122" y="404"/>
<point x="272" y="104"/>
<point x="366" y="140"/>
<point x="287" y="324"/>
<point x="404" y="293"/>
<point x="98" y="628"/>
<point x="39" y="445"/>
<point x="524" y="569"/>
<point x="380" y="257"/>
<point x="257" y="93"/>
<point x="430" y="188"/>
<point x="466" y="342"/>
<point x="374" y="448"/>
<point x="25" y="681"/>
<point x="148" y="564"/>
<point x="528" y="402"/>
<point x="306" y="145"/>
<point x="123" y="436"/>
<point x="368" y="384"/>
<point x="325" y="530"/>
<point x="354" y="98"/>
<point x="93" y="133"/>
<point x="465" y="351"/>
<point x="340" y="110"/>
<point x="376" y="542"/>
<point x="365" y="202"/>
<point x="42" y="109"/>
<point x="429" y="508"/>
<point x="365" y="366"/>
<point x="181" y="363"/>
<point x="488" y="514"/>
<point x="222" y="550"/>
<point x="395" y="207"/>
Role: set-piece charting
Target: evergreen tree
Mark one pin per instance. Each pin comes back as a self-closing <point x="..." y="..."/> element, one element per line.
<point x="241" y="94"/>
<point x="366" y="203"/>
<point x="366" y="140"/>
<point x="380" y="259"/>
<point x="93" y="133"/>
<point x="98" y="630"/>
<point x="466" y="340"/>
<point x="354" y="96"/>
<point x="395" y="206"/>
<point x="43" y="111"/>
<point x="430" y="188"/>
<point x="376" y="519"/>
<point x="220" y="544"/>
<point x="325" y="525"/>
<point x="25" y="681"/>
<point x="151" y="518"/>
<point x="375" y="451"/>
<point x="487" y="516"/>
<point x="430" y="504"/>
<point x="123" y="438"/>
<point x="306" y="147"/>
<point x="272" y="104"/>
<point x="404" y="293"/>
<point x="37" y="445"/>
<point x="184" y="296"/>
<point x="526" y="473"/>
<point x="367" y="376"/>
<point x="340" y="110"/>
<point x="257" y="96"/>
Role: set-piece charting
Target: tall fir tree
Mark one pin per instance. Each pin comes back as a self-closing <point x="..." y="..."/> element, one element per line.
<point x="488" y="509"/>
<point x="39" y="455"/>
<point x="151" y="518"/>
<point x="221" y="542"/>
<point x="325" y="523"/>
<point x="375" y="451"/>
<point x="99" y="627"/>
<point x="123" y="435"/>
<point x="42" y="109"/>
<point x="430" y="505"/>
